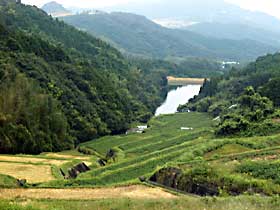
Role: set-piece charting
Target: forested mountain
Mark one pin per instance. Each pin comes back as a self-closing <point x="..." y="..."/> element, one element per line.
<point x="138" y="35"/>
<point x="215" y="18"/>
<point x="247" y="101"/>
<point x="236" y="31"/>
<point x="59" y="85"/>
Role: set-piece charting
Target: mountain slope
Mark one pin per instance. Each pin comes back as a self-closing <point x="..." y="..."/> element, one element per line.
<point x="235" y="32"/>
<point x="140" y="36"/>
<point x="91" y="80"/>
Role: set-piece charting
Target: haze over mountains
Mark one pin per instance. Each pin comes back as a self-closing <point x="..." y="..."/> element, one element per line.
<point x="215" y="18"/>
<point x="217" y="34"/>
<point x="140" y="36"/>
<point x="201" y="11"/>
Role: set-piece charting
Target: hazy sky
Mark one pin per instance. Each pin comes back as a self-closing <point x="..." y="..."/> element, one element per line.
<point x="269" y="6"/>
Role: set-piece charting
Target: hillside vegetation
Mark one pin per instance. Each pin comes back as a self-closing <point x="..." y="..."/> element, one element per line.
<point x="60" y="86"/>
<point x="246" y="101"/>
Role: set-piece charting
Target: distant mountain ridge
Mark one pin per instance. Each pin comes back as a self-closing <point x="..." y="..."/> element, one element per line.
<point x="200" y="11"/>
<point x="235" y="32"/>
<point x="137" y="35"/>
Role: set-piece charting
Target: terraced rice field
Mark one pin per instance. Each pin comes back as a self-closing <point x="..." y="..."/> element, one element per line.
<point x="39" y="168"/>
<point x="32" y="173"/>
<point x="163" y="144"/>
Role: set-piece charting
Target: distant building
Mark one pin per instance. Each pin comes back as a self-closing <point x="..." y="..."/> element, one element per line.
<point x="139" y="129"/>
<point x="186" y="128"/>
<point x="18" y="1"/>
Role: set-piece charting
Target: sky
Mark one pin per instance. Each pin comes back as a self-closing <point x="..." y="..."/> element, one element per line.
<point x="271" y="7"/>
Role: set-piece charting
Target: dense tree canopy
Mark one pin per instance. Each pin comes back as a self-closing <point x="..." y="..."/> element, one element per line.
<point x="65" y="85"/>
<point x="256" y="105"/>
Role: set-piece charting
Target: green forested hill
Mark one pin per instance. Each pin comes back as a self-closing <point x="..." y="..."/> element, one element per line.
<point x="64" y="85"/>
<point x="139" y="36"/>
<point x="246" y="100"/>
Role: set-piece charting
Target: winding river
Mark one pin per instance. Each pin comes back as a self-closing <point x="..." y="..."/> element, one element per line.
<point x="176" y="97"/>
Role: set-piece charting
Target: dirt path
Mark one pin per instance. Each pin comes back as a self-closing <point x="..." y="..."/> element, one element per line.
<point x="136" y="191"/>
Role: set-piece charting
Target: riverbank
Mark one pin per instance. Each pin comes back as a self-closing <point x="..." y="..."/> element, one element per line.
<point x="175" y="81"/>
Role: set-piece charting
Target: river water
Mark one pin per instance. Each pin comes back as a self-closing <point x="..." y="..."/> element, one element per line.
<point x="176" y="97"/>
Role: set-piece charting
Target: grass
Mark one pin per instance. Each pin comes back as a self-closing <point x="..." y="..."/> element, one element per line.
<point x="228" y="149"/>
<point x="189" y="203"/>
<point x="7" y="181"/>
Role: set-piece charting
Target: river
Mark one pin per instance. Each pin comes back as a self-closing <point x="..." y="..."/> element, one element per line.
<point x="176" y="97"/>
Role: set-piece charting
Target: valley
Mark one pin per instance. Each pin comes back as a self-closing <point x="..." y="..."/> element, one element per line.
<point x="112" y="111"/>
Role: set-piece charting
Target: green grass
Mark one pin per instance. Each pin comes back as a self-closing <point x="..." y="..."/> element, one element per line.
<point x="7" y="181"/>
<point x="228" y="149"/>
<point x="6" y="205"/>
<point x="167" y="126"/>
<point x="183" y="203"/>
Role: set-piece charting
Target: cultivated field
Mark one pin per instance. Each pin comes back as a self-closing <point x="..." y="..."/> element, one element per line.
<point x="32" y="173"/>
<point x="40" y="168"/>
<point x="235" y="160"/>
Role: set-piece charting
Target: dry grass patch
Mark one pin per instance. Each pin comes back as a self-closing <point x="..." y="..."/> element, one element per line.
<point x="55" y="155"/>
<point x="135" y="191"/>
<point x="32" y="173"/>
<point x="23" y="159"/>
